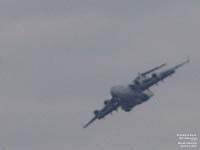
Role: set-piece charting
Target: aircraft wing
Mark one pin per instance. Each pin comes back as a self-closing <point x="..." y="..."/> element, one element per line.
<point x="162" y="75"/>
<point x="91" y="121"/>
<point x="109" y="107"/>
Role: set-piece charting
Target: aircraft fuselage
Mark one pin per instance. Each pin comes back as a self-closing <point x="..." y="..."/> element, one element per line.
<point x="129" y="97"/>
<point x="135" y="93"/>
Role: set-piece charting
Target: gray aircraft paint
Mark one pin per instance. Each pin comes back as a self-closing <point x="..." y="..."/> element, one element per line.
<point x="59" y="59"/>
<point x="135" y="93"/>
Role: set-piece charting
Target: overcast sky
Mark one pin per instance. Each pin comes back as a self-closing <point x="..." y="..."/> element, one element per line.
<point x="59" y="58"/>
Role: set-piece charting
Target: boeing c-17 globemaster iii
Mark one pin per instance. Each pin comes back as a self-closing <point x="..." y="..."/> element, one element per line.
<point x="135" y="93"/>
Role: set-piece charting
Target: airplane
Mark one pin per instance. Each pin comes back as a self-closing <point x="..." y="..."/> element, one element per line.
<point x="135" y="93"/>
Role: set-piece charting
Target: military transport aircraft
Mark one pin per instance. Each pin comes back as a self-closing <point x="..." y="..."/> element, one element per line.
<point x="134" y="93"/>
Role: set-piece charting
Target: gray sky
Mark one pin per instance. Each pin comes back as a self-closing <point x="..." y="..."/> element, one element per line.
<point x="60" y="58"/>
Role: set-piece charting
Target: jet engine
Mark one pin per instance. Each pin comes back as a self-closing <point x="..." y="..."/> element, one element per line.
<point x="96" y="112"/>
<point x="126" y="108"/>
<point x="146" y="95"/>
<point x="155" y="75"/>
<point x="106" y="102"/>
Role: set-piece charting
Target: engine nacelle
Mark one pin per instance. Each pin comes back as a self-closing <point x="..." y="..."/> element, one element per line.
<point x="137" y="82"/>
<point x="155" y="75"/>
<point x="106" y="102"/>
<point x="127" y="109"/>
<point x="96" y="112"/>
<point x="146" y="95"/>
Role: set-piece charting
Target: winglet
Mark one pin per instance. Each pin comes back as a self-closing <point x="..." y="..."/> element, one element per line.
<point x="91" y="121"/>
<point x="181" y="64"/>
